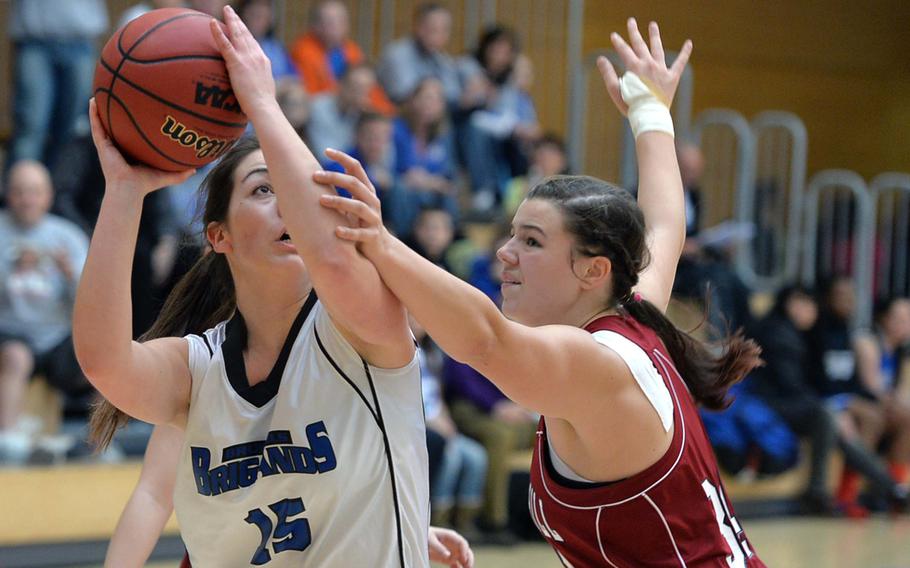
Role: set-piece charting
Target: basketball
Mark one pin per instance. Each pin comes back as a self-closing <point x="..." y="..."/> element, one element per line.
<point x="163" y="92"/>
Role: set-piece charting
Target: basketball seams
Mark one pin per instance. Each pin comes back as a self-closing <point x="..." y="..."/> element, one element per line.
<point x="126" y="110"/>
<point x="135" y="79"/>
<point x="173" y="105"/>
<point x="132" y="59"/>
<point x="126" y="54"/>
<point x="149" y="31"/>
<point x="115" y="74"/>
<point x="107" y="107"/>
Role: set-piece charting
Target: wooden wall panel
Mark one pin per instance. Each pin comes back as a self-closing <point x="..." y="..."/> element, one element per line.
<point x="6" y="73"/>
<point x="841" y="66"/>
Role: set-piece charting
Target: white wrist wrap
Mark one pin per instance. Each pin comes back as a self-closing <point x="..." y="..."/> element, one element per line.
<point x="646" y="110"/>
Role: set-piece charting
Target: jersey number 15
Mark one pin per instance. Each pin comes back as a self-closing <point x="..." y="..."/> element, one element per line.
<point x="284" y="534"/>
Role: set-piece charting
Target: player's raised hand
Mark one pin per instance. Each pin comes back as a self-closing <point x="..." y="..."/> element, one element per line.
<point x="119" y="174"/>
<point x="363" y="211"/>
<point x="648" y="63"/>
<point x="248" y="66"/>
<point x="450" y="548"/>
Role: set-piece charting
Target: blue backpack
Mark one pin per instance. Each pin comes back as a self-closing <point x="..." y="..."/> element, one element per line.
<point x="750" y="431"/>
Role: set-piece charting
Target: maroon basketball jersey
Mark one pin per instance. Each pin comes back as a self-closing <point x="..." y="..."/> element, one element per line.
<point x="674" y="513"/>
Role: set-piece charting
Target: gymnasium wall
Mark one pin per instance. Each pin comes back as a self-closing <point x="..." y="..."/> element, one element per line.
<point x="842" y="66"/>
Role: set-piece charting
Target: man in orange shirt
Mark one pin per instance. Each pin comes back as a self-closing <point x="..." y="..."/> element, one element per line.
<point x="325" y="52"/>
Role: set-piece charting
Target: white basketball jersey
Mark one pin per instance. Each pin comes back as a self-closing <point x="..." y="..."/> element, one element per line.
<point x="323" y="464"/>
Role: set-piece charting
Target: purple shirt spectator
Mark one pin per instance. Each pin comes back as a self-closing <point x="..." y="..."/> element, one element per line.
<point x="461" y="381"/>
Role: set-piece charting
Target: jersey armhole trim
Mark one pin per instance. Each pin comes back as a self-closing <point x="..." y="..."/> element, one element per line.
<point x="570" y="500"/>
<point x="643" y="370"/>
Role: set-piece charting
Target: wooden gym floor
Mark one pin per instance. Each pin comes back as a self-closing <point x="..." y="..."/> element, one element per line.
<point x="77" y="503"/>
<point x="786" y="543"/>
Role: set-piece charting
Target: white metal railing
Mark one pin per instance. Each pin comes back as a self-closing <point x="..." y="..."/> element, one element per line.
<point x="773" y="202"/>
<point x="888" y="262"/>
<point x="839" y="226"/>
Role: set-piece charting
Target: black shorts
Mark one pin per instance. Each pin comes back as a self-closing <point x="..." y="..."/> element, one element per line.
<point x="58" y="366"/>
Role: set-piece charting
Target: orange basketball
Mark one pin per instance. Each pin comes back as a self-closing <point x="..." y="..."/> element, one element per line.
<point x="163" y="92"/>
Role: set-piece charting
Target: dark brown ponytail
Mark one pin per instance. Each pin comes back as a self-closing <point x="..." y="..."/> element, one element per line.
<point x="201" y="299"/>
<point x="606" y="221"/>
<point x="709" y="370"/>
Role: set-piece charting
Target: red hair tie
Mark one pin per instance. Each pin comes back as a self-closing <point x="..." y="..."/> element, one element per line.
<point x="636" y="297"/>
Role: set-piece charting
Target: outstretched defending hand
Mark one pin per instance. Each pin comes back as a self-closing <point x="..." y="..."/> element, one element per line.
<point x="649" y="65"/>
<point x="118" y="173"/>
<point x="363" y="212"/>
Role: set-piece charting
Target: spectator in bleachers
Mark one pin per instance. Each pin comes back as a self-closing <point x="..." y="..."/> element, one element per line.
<point x="748" y="437"/>
<point x="407" y="61"/>
<point x="485" y="272"/>
<point x="517" y="105"/>
<point x="259" y="17"/>
<point x="424" y="153"/>
<point x="54" y="64"/>
<point x="859" y="417"/>
<point x="373" y="146"/>
<point x="511" y="113"/>
<point x="137" y="10"/>
<point x="211" y="7"/>
<point x="41" y="258"/>
<point x="334" y="118"/>
<point x="548" y="158"/>
<point x="834" y="346"/>
<point x="79" y="185"/>
<point x="432" y="235"/>
<point x="882" y="360"/>
<point x="705" y="272"/>
<point x="496" y="135"/>
<point x="482" y="127"/>
<point x="785" y="385"/>
<point x="483" y="412"/>
<point x="325" y="52"/>
<point x="691" y="168"/>
<point x="456" y="491"/>
<point x="295" y="103"/>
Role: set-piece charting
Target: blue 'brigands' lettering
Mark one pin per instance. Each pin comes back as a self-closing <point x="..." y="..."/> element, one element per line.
<point x="243" y="464"/>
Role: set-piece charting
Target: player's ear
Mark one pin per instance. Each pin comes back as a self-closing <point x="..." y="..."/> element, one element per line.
<point x="594" y="271"/>
<point x="218" y="236"/>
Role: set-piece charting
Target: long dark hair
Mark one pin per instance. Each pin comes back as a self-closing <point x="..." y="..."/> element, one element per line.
<point x="409" y="115"/>
<point x="881" y="310"/>
<point x="241" y="6"/>
<point x="201" y="299"/>
<point x="490" y="36"/>
<point x="606" y="221"/>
